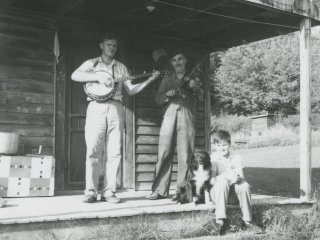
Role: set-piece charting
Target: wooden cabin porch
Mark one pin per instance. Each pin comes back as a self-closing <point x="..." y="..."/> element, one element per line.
<point x="66" y="215"/>
<point x="39" y="101"/>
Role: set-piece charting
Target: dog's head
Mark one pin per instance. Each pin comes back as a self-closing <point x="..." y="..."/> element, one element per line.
<point x="200" y="158"/>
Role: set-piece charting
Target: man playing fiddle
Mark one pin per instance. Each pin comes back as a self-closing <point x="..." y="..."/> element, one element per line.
<point x="178" y="125"/>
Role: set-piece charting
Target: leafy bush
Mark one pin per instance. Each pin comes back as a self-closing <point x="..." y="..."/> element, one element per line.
<point x="231" y="123"/>
<point x="293" y="121"/>
<point x="285" y="132"/>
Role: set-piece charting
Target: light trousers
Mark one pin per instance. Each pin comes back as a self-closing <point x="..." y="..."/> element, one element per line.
<point x="222" y="193"/>
<point x="178" y="127"/>
<point x="103" y="131"/>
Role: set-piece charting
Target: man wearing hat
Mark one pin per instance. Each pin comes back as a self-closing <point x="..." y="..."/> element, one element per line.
<point x="178" y="125"/>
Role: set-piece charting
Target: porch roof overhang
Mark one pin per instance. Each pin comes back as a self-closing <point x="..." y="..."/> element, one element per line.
<point x="218" y="24"/>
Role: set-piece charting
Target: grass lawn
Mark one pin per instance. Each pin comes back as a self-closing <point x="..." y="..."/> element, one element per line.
<point x="275" y="170"/>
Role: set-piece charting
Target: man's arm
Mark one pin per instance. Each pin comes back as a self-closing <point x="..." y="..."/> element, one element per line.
<point x="82" y="74"/>
<point x="133" y="89"/>
<point x="161" y="95"/>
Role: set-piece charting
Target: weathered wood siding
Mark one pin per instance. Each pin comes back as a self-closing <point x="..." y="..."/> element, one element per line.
<point x="26" y="79"/>
<point x="148" y="115"/>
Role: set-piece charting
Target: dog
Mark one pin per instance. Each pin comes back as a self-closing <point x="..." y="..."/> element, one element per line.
<point x="196" y="186"/>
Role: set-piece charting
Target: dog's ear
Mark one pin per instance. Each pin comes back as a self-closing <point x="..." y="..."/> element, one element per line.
<point x="192" y="161"/>
<point x="206" y="160"/>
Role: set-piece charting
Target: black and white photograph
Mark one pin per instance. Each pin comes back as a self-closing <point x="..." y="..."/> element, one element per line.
<point x="159" y="119"/>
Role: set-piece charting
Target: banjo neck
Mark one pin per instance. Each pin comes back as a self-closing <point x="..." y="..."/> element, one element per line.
<point x="122" y="79"/>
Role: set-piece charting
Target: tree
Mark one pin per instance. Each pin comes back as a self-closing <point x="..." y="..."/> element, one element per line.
<point x="263" y="76"/>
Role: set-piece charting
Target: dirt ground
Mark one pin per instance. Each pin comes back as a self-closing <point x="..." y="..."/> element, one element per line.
<point x="275" y="170"/>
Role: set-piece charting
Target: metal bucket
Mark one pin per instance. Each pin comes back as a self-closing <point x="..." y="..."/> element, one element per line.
<point x="9" y="143"/>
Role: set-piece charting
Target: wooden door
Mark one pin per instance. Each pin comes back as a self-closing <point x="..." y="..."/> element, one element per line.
<point x="76" y="100"/>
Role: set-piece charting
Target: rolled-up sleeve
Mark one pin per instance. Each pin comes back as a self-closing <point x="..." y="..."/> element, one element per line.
<point x="86" y="66"/>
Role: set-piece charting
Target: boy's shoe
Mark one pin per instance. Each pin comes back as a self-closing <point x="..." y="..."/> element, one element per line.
<point x="111" y="199"/>
<point x="155" y="196"/>
<point x="220" y="228"/>
<point x="253" y="228"/>
<point x="89" y="199"/>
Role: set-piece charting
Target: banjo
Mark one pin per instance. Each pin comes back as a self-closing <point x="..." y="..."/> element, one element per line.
<point x="100" y="92"/>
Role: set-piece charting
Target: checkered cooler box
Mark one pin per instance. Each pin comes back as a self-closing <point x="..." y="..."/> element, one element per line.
<point x="26" y="176"/>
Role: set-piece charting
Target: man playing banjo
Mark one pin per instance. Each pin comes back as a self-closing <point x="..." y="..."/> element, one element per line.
<point x="104" y="121"/>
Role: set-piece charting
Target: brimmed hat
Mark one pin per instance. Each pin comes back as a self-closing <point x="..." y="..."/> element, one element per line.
<point x="158" y="54"/>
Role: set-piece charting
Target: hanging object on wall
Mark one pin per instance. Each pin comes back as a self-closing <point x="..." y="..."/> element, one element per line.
<point x="56" y="48"/>
<point x="161" y="59"/>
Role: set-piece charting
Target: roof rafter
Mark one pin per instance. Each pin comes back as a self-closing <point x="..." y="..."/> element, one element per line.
<point x="221" y="23"/>
<point x="7" y="2"/>
<point x="65" y="6"/>
<point x="125" y="14"/>
<point x="207" y="6"/>
<point x="247" y="33"/>
<point x="305" y="8"/>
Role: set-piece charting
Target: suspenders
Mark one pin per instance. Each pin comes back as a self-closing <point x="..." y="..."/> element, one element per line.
<point x="96" y="63"/>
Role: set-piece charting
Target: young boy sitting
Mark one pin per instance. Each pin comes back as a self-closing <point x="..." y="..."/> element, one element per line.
<point x="229" y="185"/>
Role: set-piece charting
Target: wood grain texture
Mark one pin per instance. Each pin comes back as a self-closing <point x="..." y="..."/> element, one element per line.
<point x="27" y="130"/>
<point x="21" y="118"/>
<point x="31" y="108"/>
<point x="26" y="43"/>
<point x="151" y="158"/>
<point x="154" y="140"/>
<point x="18" y="30"/>
<point x="14" y="96"/>
<point x="145" y="186"/>
<point x="150" y="167"/>
<point x="148" y="177"/>
<point x="25" y="53"/>
<point x="30" y="142"/>
<point x="26" y="22"/>
<point x="152" y="130"/>
<point x="23" y="73"/>
<point x="26" y="86"/>
<point x="26" y="64"/>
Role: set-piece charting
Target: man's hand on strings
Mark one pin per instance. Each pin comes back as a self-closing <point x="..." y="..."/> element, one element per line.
<point x="105" y="80"/>
<point x="194" y="86"/>
<point x="155" y="75"/>
<point x="171" y="93"/>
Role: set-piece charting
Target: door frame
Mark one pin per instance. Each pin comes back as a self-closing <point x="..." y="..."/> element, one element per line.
<point x="62" y="119"/>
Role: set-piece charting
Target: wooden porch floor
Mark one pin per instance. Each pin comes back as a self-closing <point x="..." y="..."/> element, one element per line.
<point x="70" y="207"/>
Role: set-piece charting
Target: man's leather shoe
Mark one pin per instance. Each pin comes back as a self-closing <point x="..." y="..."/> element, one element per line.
<point x="89" y="199"/>
<point x="154" y="196"/>
<point x="111" y="199"/>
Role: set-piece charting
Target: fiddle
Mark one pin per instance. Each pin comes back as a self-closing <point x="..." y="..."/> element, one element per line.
<point x="186" y="83"/>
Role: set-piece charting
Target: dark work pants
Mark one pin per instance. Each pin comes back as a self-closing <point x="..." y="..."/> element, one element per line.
<point x="178" y="127"/>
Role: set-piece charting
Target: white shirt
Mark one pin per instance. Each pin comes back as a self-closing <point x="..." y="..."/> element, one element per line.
<point x="226" y="166"/>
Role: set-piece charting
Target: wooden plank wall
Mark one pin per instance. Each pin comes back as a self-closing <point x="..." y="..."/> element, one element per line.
<point x="148" y="114"/>
<point x="26" y="79"/>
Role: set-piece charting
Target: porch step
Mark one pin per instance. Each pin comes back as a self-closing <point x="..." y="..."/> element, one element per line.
<point x="66" y="217"/>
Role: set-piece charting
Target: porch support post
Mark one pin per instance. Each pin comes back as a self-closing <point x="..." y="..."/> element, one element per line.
<point x="305" y="109"/>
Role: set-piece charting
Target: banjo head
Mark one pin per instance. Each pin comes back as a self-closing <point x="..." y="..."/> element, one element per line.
<point x="98" y="91"/>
